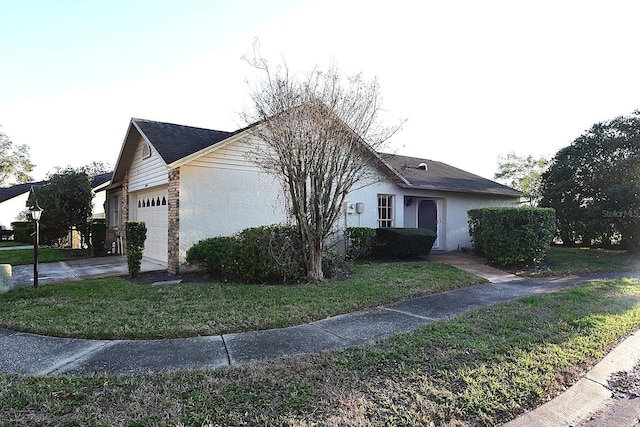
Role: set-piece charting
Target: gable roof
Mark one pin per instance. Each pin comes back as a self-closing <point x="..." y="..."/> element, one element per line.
<point x="443" y="177"/>
<point x="174" y="142"/>
<point x="171" y="142"/>
<point x="18" y="189"/>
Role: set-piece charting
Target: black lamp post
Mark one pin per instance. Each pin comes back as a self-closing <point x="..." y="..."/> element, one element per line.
<point x="36" y="212"/>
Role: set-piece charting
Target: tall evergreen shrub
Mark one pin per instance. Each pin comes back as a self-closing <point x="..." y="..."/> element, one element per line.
<point x="512" y="235"/>
<point x="98" y="236"/>
<point x="136" y="233"/>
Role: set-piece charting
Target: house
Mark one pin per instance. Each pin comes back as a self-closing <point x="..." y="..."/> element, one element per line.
<point x="13" y="200"/>
<point x="189" y="183"/>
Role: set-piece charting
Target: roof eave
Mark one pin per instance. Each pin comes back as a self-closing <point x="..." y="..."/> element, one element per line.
<point x="462" y="191"/>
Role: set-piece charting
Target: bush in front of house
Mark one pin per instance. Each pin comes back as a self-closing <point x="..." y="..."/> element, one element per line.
<point x="359" y="241"/>
<point x="507" y="236"/>
<point x="22" y="231"/>
<point x="404" y="242"/>
<point x="136" y="234"/>
<point x="98" y="236"/>
<point x="269" y="254"/>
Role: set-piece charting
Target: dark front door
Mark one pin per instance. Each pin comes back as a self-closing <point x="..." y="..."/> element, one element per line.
<point x="428" y="215"/>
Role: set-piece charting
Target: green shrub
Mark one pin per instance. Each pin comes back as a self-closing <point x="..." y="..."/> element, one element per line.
<point x="269" y="254"/>
<point x="98" y="236"/>
<point x="22" y="231"/>
<point x="216" y="255"/>
<point x="136" y="234"/>
<point x="404" y="242"/>
<point x="359" y="241"/>
<point x="509" y="236"/>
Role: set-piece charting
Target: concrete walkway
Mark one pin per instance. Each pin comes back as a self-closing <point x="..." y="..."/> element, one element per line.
<point x="29" y="354"/>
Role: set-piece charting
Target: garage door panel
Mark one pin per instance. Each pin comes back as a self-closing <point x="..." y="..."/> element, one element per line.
<point x="151" y="208"/>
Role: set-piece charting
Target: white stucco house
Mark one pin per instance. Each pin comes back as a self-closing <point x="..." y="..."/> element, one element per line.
<point x="13" y="200"/>
<point x="189" y="183"/>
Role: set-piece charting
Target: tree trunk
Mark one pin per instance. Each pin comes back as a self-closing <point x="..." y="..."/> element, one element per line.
<point x="314" y="263"/>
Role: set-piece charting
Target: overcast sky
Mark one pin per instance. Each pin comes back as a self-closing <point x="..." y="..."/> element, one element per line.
<point x="474" y="79"/>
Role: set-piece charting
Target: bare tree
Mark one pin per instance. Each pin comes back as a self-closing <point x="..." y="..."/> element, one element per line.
<point x="319" y="137"/>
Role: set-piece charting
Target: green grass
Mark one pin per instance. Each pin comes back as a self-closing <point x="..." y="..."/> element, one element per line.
<point x="117" y="308"/>
<point x="11" y="243"/>
<point x="482" y="368"/>
<point x="25" y="256"/>
<point x="562" y="261"/>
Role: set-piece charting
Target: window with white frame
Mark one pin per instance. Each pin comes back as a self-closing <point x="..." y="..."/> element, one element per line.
<point x="114" y="211"/>
<point x="385" y="210"/>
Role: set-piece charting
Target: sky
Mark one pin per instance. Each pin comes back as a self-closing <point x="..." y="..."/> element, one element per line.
<point x="473" y="79"/>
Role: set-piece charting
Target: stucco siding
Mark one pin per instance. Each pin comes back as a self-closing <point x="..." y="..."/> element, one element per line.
<point x="10" y="209"/>
<point x="146" y="173"/>
<point x="457" y="227"/>
<point x="223" y="200"/>
<point x="452" y="210"/>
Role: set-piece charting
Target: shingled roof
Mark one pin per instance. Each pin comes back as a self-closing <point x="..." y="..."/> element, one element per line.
<point x="174" y="142"/>
<point x="440" y="176"/>
<point x="18" y="189"/>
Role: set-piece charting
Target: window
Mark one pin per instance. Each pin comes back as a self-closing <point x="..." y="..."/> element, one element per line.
<point x="114" y="211"/>
<point x="385" y="210"/>
<point x="146" y="150"/>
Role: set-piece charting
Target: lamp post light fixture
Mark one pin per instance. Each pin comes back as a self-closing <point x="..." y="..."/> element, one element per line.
<point x="36" y="212"/>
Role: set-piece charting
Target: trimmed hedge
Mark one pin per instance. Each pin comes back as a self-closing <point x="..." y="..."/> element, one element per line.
<point x="98" y="236"/>
<point x="507" y="236"/>
<point x="404" y="242"/>
<point x="270" y="254"/>
<point x="136" y="233"/>
<point x="359" y="241"/>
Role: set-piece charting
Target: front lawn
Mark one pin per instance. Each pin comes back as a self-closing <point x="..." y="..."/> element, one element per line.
<point x="483" y="368"/>
<point x="561" y="261"/>
<point x="25" y="256"/>
<point x="116" y="308"/>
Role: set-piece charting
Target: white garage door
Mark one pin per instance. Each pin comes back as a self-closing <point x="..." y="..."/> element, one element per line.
<point x="151" y="207"/>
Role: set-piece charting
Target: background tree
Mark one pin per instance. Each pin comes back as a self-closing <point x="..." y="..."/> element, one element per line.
<point x="524" y="174"/>
<point x="15" y="165"/>
<point x="312" y="130"/>
<point x="92" y="169"/>
<point x="66" y="199"/>
<point x="594" y="184"/>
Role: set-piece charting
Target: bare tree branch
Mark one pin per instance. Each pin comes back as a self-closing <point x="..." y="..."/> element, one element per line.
<point x="320" y="138"/>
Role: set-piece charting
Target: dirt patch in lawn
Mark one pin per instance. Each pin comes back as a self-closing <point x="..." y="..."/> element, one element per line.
<point x="150" y="277"/>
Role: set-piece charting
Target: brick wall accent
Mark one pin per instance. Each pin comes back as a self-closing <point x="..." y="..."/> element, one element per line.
<point x="173" y="255"/>
<point x="124" y="213"/>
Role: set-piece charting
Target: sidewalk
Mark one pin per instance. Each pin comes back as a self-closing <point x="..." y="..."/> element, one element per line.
<point x="29" y="354"/>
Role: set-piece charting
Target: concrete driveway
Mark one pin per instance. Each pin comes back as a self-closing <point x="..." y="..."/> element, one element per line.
<point x="73" y="270"/>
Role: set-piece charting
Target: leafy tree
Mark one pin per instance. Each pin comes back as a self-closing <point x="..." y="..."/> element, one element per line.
<point x="594" y="184"/>
<point x="92" y="169"/>
<point x="312" y="131"/>
<point x="66" y="199"/>
<point x="15" y="165"/>
<point x="524" y="174"/>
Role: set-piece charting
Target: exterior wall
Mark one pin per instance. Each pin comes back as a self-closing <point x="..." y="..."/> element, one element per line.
<point x="10" y="209"/>
<point x="452" y="210"/>
<point x="457" y="205"/>
<point x="147" y="173"/>
<point x="222" y="193"/>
